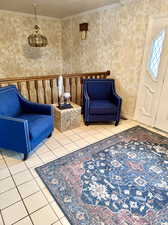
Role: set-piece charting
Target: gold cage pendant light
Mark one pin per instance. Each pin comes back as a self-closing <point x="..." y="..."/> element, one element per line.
<point x="36" y="39"/>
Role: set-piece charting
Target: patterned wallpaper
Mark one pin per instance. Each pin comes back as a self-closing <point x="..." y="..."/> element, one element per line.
<point x="19" y="59"/>
<point x="115" y="42"/>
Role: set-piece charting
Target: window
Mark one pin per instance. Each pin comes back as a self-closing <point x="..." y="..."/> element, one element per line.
<point x="156" y="51"/>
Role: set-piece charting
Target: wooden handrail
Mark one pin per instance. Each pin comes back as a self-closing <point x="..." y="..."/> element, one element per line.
<point x="21" y="79"/>
<point x="50" y="77"/>
<point x="106" y="73"/>
<point x="44" y="89"/>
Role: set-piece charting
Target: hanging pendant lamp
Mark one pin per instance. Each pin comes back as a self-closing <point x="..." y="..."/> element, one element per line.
<point x="36" y="39"/>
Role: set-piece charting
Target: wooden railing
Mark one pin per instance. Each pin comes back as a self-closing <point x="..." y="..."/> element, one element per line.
<point x="44" y="89"/>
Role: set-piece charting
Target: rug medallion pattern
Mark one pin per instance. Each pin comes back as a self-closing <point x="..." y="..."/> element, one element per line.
<point x="122" y="180"/>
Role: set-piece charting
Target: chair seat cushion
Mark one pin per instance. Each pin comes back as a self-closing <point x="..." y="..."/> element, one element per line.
<point x="102" y="107"/>
<point x="38" y="124"/>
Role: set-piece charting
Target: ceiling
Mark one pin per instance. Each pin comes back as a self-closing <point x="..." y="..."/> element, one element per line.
<point x="54" y="8"/>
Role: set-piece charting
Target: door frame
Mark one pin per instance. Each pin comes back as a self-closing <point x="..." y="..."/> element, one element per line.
<point x="145" y="61"/>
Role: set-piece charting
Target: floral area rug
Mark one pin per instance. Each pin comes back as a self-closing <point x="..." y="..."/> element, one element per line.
<point x="121" y="180"/>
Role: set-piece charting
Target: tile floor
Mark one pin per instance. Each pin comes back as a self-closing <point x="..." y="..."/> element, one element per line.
<point x="24" y="200"/>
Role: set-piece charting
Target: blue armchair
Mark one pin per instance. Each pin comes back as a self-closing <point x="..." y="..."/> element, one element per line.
<point x="23" y="124"/>
<point x="100" y="101"/>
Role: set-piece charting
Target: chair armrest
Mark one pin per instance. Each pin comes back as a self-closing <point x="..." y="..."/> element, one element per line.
<point x="86" y="96"/>
<point x="86" y="103"/>
<point x="31" y="107"/>
<point x="116" y="99"/>
<point x="14" y="134"/>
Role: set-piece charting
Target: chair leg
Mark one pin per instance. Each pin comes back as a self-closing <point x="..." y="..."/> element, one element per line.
<point x="50" y="135"/>
<point x="116" y="123"/>
<point x="25" y="156"/>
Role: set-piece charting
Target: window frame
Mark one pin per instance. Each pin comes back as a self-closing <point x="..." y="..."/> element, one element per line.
<point x="152" y="74"/>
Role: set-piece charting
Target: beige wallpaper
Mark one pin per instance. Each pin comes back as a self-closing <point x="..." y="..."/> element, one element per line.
<point x="17" y="58"/>
<point x="115" y="42"/>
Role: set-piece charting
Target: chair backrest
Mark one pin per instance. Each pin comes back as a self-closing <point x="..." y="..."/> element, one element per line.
<point x="9" y="101"/>
<point x="99" y="89"/>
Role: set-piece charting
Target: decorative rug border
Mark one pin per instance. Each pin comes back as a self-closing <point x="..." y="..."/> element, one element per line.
<point x="80" y="150"/>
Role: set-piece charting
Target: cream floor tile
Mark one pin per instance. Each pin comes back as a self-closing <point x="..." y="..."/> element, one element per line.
<point x="64" y="221"/>
<point x="14" y="213"/>
<point x="33" y="161"/>
<point x="74" y="137"/>
<point x="47" y="195"/>
<point x="61" y="153"/>
<point x="6" y="184"/>
<point x="46" y="157"/>
<point x="58" y="150"/>
<point x="35" y="201"/>
<point x="57" y="223"/>
<point x="81" y="143"/>
<point x="40" y="183"/>
<point x="22" y="177"/>
<point x="33" y="172"/>
<point x="53" y="143"/>
<point x="12" y="161"/>
<point x="58" y="135"/>
<point x="1" y="222"/>
<point x="99" y="136"/>
<point x="92" y="132"/>
<point x="68" y="133"/>
<point x="84" y="135"/>
<point x="25" y="221"/>
<point x="8" y="198"/>
<point x="71" y="147"/>
<point x="57" y="210"/>
<point x="106" y="133"/>
<point x="64" y="141"/>
<point x="16" y="168"/>
<point x="4" y="172"/>
<point x="44" y="216"/>
<point x="56" y="144"/>
<point x="42" y="149"/>
<point x="28" y="188"/>
<point x="91" y="139"/>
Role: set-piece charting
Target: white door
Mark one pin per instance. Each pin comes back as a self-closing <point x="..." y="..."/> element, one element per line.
<point x="162" y="114"/>
<point x="153" y="72"/>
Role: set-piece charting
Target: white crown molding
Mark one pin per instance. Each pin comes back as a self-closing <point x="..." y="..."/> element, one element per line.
<point x="28" y="15"/>
<point x="112" y="6"/>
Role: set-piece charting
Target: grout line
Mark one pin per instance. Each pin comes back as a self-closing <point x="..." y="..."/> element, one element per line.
<point x="20" y="219"/>
<point x="2" y="217"/>
<point x="49" y="203"/>
<point x="4" y="178"/>
<point x="42" y="193"/>
<point x="7" y="190"/>
<point x="10" y="205"/>
<point x="19" y="192"/>
<point x="25" y="182"/>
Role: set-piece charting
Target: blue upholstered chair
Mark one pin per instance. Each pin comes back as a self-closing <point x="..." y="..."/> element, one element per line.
<point x="23" y="124"/>
<point x="100" y="101"/>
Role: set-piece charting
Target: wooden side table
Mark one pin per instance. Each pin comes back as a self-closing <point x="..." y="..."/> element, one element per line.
<point x="67" y="119"/>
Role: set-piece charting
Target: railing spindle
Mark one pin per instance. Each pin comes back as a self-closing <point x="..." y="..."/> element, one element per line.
<point x="28" y="89"/>
<point x="44" y="89"/>
<point x="78" y="90"/>
<point x="24" y="90"/>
